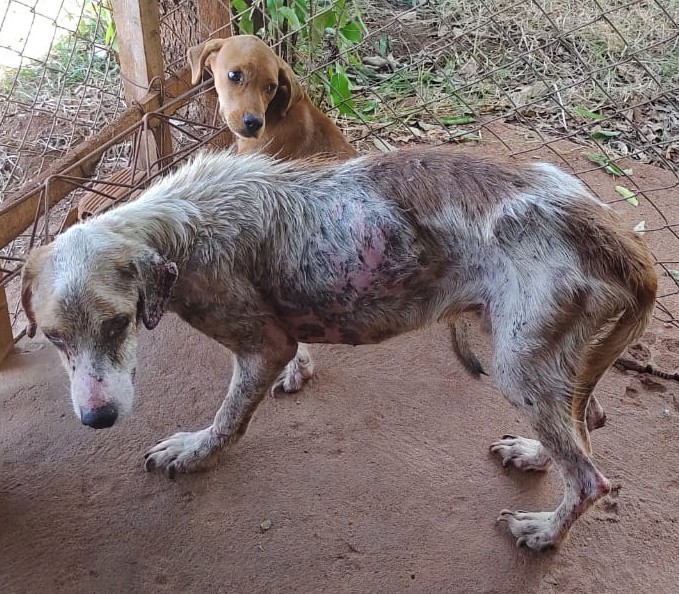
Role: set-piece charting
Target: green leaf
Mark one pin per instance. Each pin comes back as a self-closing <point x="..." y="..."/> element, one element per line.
<point x="290" y="15"/>
<point x="605" y="162"/>
<point x="640" y="227"/>
<point x="628" y="195"/>
<point x="603" y="134"/>
<point x="110" y="33"/>
<point x="369" y="106"/>
<point x="352" y="31"/>
<point x="383" y="45"/>
<point x="340" y="93"/>
<point x="456" y="120"/>
<point x="675" y="274"/>
<point x="265" y="525"/>
<point x="245" y="24"/>
<point x="586" y="113"/>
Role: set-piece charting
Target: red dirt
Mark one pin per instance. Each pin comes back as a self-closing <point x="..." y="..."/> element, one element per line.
<point x="376" y="477"/>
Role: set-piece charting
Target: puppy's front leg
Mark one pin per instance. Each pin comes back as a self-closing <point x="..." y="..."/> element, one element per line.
<point x="251" y="380"/>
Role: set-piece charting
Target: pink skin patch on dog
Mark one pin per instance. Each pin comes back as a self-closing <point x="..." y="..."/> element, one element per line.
<point x="90" y="392"/>
<point x="370" y="246"/>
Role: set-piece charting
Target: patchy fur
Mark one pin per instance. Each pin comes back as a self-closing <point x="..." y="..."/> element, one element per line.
<point x="261" y="255"/>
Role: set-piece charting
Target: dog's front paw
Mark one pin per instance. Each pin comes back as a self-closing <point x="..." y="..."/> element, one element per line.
<point x="296" y="373"/>
<point x="183" y="452"/>
<point x="533" y="530"/>
<point x="525" y="454"/>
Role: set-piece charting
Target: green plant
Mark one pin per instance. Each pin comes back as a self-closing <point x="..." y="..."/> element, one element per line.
<point x="312" y="24"/>
<point x="86" y="53"/>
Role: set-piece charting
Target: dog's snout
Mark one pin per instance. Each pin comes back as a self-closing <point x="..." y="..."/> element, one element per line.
<point x="99" y="418"/>
<point x="252" y="123"/>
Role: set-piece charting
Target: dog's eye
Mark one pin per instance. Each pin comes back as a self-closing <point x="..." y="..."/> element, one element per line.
<point x="55" y="339"/>
<point x="116" y="325"/>
<point x="236" y="76"/>
<point x="271" y="89"/>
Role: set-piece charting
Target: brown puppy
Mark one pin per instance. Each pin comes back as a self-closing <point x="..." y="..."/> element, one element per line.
<point x="263" y="103"/>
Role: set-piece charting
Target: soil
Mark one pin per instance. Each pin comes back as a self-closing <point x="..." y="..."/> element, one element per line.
<point x="376" y="478"/>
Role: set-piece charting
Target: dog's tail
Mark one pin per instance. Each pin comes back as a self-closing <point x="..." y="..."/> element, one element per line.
<point x="459" y="333"/>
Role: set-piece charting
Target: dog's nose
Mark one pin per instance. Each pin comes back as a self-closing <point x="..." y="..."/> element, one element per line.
<point x="252" y="123"/>
<point x="99" y="418"/>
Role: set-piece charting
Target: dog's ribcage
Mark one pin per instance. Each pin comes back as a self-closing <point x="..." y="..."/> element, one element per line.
<point x="335" y="258"/>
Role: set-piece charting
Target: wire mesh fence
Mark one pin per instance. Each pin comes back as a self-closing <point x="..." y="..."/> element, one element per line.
<point x="59" y="82"/>
<point x="592" y="85"/>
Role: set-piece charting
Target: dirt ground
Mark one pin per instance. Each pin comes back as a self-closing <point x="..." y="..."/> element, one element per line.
<point x="375" y="479"/>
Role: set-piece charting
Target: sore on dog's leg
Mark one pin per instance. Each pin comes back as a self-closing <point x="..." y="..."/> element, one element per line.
<point x="186" y="452"/>
<point x="584" y="485"/>
<point x="537" y="378"/>
<point x="296" y="373"/>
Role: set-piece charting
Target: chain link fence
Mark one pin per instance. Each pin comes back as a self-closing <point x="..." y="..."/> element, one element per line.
<point x="59" y="83"/>
<point x="592" y="85"/>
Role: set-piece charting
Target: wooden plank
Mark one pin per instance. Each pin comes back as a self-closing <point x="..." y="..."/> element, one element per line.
<point x="215" y="17"/>
<point x="18" y="214"/>
<point x="6" y="336"/>
<point x="141" y="63"/>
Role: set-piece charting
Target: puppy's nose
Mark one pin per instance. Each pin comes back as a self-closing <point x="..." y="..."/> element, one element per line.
<point x="252" y="123"/>
<point x="99" y="418"/>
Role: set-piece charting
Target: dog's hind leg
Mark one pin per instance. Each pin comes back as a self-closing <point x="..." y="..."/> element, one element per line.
<point x="537" y="370"/>
<point x="296" y="373"/>
<point x="253" y="375"/>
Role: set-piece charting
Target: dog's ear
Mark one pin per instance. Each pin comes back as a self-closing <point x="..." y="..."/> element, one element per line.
<point x="157" y="275"/>
<point x="289" y="90"/>
<point x="198" y="57"/>
<point x="30" y="271"/>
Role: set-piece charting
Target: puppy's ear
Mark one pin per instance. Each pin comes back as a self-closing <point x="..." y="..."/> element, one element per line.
<point x="198" y="57"/>
<point x="289" y="90"/>
<point x="31" y="270"/>
<point x="157" y="275"/>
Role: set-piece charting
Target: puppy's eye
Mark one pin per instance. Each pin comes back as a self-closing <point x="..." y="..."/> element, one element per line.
<point x="236" y="76"/>
<point x="271" y="89"/>
<point x="116" y="326"/>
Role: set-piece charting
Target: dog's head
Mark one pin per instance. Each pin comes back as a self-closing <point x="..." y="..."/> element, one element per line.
<point x="252" y="82"/>
<point x="88" y="291"/>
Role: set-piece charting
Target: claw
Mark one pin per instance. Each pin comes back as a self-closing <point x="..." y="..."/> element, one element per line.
<point x="503" y="515"/>
<point x="508" y="436"/>
<point x="150" y="464"/>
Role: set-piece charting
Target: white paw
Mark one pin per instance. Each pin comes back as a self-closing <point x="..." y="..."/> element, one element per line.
<point x="183" y="452"/>
<point x="296" y="373"/>
<point x="534" y="530"/>
<point x="525" y="454"/>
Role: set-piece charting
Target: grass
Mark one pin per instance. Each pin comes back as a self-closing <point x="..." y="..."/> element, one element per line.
<point x="541" y="63"/>
<point x="49" y="104"/>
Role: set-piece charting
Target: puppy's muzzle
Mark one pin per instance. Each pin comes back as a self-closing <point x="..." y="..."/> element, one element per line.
<point x="252" y="124"/>
<point x="99" y="418"/>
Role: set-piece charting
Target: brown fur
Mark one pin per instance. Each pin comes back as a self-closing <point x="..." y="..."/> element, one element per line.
<point x="356" y="253"/>
<point x="293" y="126"/>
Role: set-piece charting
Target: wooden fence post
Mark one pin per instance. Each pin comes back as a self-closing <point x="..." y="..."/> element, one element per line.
<point x="141" y="61"/>
<point x="6" y="336"/>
